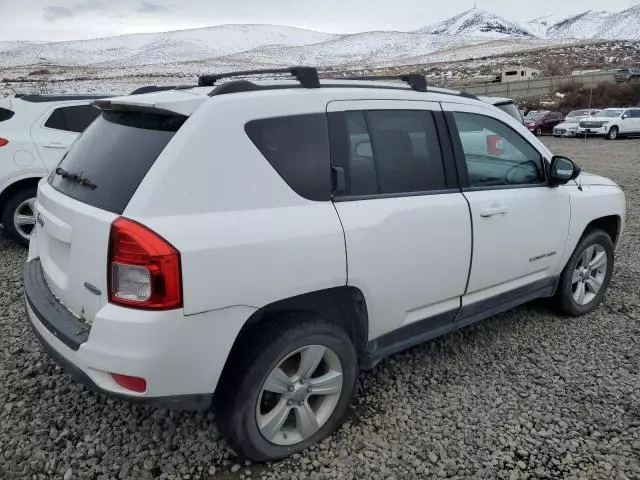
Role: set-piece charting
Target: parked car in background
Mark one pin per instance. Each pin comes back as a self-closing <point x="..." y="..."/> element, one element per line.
<point x="569" y="128"/>
<point x="195" y="242"/>
<point x="543" y="122"/>
<point x="35" y="133"/>
<point x="612" y="123"/>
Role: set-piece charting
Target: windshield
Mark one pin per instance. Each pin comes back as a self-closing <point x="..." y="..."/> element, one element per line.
<point x="538" y="116"/>
<point x="578" y="113"/>
<point x="610" y="113"/>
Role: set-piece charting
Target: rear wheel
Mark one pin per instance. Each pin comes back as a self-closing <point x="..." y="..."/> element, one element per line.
<point x="587" y="275"/>
<point x="613" y="133"/>
<point x="19" y="215"/>
<point x="288" y="387"/>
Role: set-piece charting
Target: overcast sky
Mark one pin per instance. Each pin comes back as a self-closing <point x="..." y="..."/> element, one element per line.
<point x="78" y="19"/>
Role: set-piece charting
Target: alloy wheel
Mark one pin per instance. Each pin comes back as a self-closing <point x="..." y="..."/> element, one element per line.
<point x="299" y="395"/>
<point x="589" y="274"/>
<point x="24" y="218"/>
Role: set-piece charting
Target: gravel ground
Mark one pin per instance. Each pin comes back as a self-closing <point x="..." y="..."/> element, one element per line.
<point x="526" y="394"/>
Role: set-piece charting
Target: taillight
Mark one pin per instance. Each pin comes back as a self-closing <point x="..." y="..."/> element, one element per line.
<point x="3" y="142"/>
<point x="143" y="268"/>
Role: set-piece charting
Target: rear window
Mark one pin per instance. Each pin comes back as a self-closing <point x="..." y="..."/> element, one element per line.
<point x="5" y="114"/>
<point x="105" y="166"/>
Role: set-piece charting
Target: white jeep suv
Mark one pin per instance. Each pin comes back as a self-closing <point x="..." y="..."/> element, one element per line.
<point x="35" y="132"/>
<point x="265" y="240"/>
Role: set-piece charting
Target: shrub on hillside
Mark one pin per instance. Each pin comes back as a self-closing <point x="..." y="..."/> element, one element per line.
<point x="605" y="95"/>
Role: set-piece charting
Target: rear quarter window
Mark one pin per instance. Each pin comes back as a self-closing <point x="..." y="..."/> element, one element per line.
<point x="5" y="114"/>
<point x="72" y="119"/>
<point x="297" y="147"/>
<point x="105" y="166"/>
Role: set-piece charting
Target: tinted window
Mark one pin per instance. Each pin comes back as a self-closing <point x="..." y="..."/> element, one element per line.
<point x="56" y="120"/>
<point x="297" y="147"/>
<point x="495" y="154"/>
<point x="80" y="117"/>
<point x="106" y="165"/>
<point x="635" y="113"/>
<point x="389" y="151"/>
<point x="406" y="151"/>
<point x="5" y="114"/>
<point x="72" y="119"/>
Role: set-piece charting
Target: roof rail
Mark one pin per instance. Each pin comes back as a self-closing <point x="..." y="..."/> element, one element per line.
<point x="416" y="81"/>
<point x="153" y="88"/>
<point x="307" y="76"/>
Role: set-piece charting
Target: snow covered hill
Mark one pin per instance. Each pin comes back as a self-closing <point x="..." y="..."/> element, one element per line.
<point x="474" y="33"/>
<point x="479" y="23"/>
<point x="153" y="48"/>
<point x="624" y="25"/>
<point x="584" y="25"/>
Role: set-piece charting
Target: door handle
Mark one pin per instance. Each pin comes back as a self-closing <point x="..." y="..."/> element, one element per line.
<point x="55" y="145"/>
<point x="493" y="210"/>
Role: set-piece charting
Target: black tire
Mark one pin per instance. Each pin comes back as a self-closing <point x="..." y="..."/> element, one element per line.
<point x="10" y="206"/>
<point x="250" y="363"/>
<point x="538" y="132"/>
<point x="564" y="294"/>
<point x="613" y="133"/>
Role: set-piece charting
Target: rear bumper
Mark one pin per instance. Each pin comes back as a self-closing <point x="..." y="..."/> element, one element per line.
<point x="180" y="357"/>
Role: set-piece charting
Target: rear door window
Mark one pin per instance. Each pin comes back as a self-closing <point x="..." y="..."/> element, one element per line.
<point x="387" y="152"/>
<point x="106" y="165"/>
<point x="72" y="119"/>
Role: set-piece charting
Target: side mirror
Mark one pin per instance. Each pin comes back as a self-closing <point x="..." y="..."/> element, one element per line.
<point x="625" y="116"/>
<point x="562" y="171"/>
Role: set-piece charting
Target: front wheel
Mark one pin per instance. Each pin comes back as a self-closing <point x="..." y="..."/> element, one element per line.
<point x="587" y="275"/>
<point x="613" y="133"/>
<point x="286" y="387"/>
<point x="18" y="215"/>
<point x="538" y="132"/>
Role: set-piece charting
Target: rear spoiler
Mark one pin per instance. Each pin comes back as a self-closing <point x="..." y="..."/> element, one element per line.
<point x="125" y="107"/>
<point x="172" y="102"/>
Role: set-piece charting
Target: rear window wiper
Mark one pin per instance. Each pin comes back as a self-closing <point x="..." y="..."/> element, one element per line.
<point x="76" y="177"/>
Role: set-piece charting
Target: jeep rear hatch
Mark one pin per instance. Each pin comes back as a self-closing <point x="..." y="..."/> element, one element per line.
<point x="89" y="189"/>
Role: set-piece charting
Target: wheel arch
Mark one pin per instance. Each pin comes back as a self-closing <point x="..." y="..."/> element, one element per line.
<point x="343" y="306"/>
<point x="610" y="224"/>
<point x="17" y="185"/>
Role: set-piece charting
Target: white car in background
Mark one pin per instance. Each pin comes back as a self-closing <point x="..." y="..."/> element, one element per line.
<point x="612" y="123"/>
<point x="35" y="133"/>
<point x="569" y="128"/>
